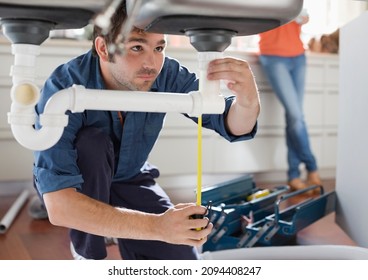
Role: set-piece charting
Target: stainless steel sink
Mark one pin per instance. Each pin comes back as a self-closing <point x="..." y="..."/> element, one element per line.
<point x="63" y="14"/>
<point x="244" y="17"/>
<point x="94" y="5"/>
<point x="210" y="24"/>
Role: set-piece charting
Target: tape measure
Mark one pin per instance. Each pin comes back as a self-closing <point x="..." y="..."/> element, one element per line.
<point x="199" y="161"/>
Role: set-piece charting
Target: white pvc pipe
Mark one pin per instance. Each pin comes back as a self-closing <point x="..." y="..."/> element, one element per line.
<point x="13" y="211"/>
<point x="207" y="88"/>
<point x="22" y="122"/>
<point x="25" y="96"/>
<point x="138" y="101"/>
<point x="24" y="62"/>
<point x="78" y="99"/>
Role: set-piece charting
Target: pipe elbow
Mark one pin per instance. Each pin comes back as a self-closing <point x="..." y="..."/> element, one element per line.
<point x="25" y="94"/>
<point x="36" y="140"/>
<point x="60" y="102"/>
<point x="22" y="118"/>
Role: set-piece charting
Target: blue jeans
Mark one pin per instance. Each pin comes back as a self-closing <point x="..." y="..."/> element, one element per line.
<point x="287" y="78"/>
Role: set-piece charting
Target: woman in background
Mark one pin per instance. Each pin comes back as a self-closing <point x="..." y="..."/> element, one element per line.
<point x="282" y="56"/>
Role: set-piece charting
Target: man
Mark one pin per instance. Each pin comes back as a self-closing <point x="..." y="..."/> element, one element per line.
<point x="96" y="180"/>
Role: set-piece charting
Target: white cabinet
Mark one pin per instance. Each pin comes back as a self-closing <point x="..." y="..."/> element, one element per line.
<point x="352" y="160"/>
<point x="176" y="151"/>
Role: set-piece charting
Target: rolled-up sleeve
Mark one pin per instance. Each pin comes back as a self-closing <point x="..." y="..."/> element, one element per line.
<point x="217" y="123"/>
<point x="56" y="168"/>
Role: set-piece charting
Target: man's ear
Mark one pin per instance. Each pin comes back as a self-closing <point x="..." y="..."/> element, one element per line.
<point x="101" y="48"/>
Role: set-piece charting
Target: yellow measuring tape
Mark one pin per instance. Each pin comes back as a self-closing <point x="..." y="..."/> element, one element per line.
<point x="199" y="161"/>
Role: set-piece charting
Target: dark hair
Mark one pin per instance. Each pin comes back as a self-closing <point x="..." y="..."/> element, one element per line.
<point x="117" y="20"/>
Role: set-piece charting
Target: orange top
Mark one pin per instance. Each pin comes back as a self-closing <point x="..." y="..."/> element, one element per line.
<point x="282" y="41"/>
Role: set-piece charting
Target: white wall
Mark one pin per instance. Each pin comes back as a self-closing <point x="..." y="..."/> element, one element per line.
<point x="326" y="16"/>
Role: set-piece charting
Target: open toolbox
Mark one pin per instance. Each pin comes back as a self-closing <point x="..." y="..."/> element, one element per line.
<point x="246" y="216"/>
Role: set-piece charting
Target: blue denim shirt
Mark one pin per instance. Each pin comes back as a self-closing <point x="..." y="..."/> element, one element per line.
<point x="56" y="168"/>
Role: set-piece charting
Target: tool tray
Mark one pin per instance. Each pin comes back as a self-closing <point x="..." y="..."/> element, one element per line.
<point x="243" y="219"/>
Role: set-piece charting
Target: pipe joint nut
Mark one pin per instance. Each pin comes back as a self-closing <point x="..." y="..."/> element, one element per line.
<point x="197" y="104"/>
<point x="21" y="118"/>
<point x="50" y="120"/>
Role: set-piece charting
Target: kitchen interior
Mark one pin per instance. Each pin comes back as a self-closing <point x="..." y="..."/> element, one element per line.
<point x="334" y="112"/>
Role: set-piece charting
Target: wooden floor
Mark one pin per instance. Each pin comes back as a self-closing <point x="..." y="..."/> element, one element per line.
<point x="28" y="239"/>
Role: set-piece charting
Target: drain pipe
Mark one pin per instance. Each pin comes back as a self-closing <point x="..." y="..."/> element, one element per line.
<point x="207" y="88"/>
<point x="27" y="36"/>
<point x="25" y="95"/>
<point x="210" y="44"/>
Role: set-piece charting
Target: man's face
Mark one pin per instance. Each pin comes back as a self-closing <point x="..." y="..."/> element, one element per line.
<point x="140" y="64"/>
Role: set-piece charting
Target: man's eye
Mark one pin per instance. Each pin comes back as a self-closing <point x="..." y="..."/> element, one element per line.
<point x="136" y="48"/>
<point x="160" y="49"/>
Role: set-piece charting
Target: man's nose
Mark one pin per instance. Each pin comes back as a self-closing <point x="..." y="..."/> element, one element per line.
<point x="149" y="61"/>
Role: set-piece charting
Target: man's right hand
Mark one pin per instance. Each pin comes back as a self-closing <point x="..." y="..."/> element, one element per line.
<point x="176" y="225"/>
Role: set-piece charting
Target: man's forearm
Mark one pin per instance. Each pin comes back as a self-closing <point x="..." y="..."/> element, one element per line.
<point x="71" y="209"/>
<point x="241" y="120"/>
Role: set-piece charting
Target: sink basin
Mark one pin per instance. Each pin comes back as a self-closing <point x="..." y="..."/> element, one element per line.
<point x="63" y="14"/>
<point x="244" y="17"/>
<point x="95" y="5"/>
<point x="210" y="24"/>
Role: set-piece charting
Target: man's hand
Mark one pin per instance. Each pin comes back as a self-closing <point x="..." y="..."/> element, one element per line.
<point x="176" y="226"/>
<point x="240" y="80"/>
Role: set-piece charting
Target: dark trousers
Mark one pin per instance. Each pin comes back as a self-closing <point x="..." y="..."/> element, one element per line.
<point x="96" y="160"/>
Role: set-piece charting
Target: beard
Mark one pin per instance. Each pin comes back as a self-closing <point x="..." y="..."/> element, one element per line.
<point x="145" y="86"/>
<point x="131" y="85"/>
